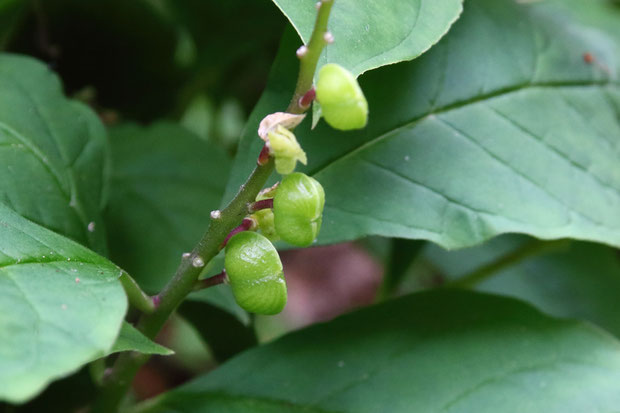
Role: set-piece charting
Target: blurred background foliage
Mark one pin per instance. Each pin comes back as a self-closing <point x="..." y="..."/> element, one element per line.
<point x="203" y="62"/>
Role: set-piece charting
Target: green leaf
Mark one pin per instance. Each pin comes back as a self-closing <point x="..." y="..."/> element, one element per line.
<point x="483" y="135"/>
<point x="53" y="153"/>
<point x="52" y="293"/>
<point x="131" y="339"/>
<point x="375" y="33"/>
<point x="582" y="281"/>
<point x="434" y="351"/>
<point x="164" y="184"/>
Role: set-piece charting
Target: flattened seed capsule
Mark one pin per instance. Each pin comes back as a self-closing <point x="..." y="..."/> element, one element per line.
<point x="255" y="273"/>
<point x="342" y="101"/>
<point x="298" y="209"/>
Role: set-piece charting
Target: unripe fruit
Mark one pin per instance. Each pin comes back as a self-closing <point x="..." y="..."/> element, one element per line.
<point x="255" y="273"/>
<point x="298" y="209"/>
<point x="342" y="101"/>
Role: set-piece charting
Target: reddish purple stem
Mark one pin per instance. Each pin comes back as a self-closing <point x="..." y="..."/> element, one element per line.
<point x="245" y="225"/>
<point x="262" y="204"/>
<point x="211" y="281"/>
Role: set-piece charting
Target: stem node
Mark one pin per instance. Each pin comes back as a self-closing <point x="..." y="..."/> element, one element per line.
<point x="302" y="51"/>
<point x="198" y="262"/>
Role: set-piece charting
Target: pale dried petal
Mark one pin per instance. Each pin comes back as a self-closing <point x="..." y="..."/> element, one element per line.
<point x="272" y="121"/>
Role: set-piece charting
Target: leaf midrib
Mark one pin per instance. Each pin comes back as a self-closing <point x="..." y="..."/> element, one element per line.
<point x="4" y="266"/>
<point x="75" y="203"/>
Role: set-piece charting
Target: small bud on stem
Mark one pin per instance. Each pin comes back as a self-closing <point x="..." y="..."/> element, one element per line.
<point x="198" y="262"/>
<point x="302" y="51"/>
<point x="263" y="156"/>
<point x="156" y="300"/>
<point x="307" y="98"/>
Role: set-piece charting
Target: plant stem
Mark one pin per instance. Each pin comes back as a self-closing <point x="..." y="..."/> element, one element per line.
<point x="262" y="204"/>
<point x="137" y="298"/>
<point x="211" y="281"/>
<point x="309" y="58"/>
<point x="118" y="381"/>
<point x="528" y="250"/>
<point x="246" y="225"/>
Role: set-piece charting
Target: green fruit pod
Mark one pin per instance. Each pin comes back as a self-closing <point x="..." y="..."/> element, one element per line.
<point x="342" y="101"/>
<point x="255" y="273"/>
<point x="298" y="209"/>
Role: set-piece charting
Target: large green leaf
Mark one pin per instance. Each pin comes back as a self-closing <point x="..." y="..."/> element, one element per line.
<point x="165" y="182"/>
<point x="375" y="33"/>
<point x="581" y="281"/>
<point x="53" y="153"/>
<point x="61" y="306"/>
<point x="502" y="127"/>
<point x="436" y="351"/>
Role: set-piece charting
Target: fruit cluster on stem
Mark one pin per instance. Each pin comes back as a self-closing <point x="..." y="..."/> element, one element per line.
<point x="119" y="377"/>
